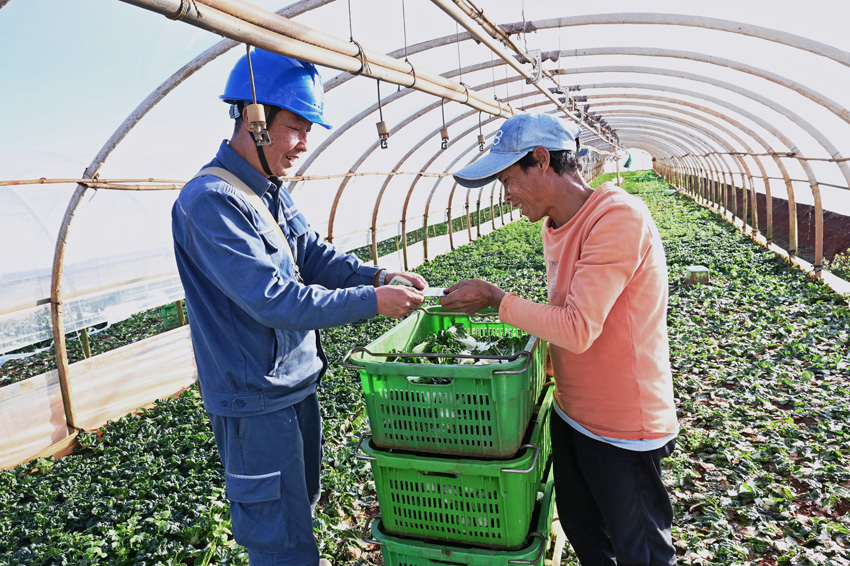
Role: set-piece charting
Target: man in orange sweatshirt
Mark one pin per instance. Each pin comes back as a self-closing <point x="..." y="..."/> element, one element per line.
<point x="607" y="328"/>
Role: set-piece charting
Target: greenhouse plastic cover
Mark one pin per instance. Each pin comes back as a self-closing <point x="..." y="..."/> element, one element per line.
<point x="74" y="71"/>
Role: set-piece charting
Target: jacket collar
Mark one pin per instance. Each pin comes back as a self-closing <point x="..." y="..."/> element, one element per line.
<point x="260" y="184"/>
<point x="234" y="163"/>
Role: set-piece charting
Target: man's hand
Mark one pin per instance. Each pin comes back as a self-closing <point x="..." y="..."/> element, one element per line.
<point x="471" y="296"/>
<point x="417" y="280"/>
<point x="396" y="301"/>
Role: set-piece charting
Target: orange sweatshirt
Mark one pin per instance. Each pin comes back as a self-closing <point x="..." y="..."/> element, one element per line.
<point x="606" y="319"/>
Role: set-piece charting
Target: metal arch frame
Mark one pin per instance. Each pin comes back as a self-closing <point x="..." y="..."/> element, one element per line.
<point x="457" y="158"/>
<point x="662" y="125"/>
<point x="430" y="160"/>
<point x="804" y="125"/>
<point x="688" y="147"/>
<point x="819" y="99"/>
<point x="712" y="166"/>
<point x="799" y="121"/>
<point x="768" y="34"/>
<point x="712" y="160"/>
<point x="702" y="22"/>
<point x="741" y="142"/>
<point x="687" y="166"/>
<point x="372" y="148"/>
<point x="768" y="126"/>
<point x="394" y="97"/>
<point x="681" y="165"/>
<point x="364" y="156"/>
<point x="810" y="180"/>
<point x="816" y="97"/>
<point x="741" y="127"/>
<point x="449" y="204"/>
<point x="695" y="56"/>
<point x="662" y="147"/>
<point x="415" y="181"/>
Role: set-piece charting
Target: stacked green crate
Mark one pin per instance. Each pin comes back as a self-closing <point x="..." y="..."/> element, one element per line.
<point x="399" y="551"/>
<point x="462" y="500"/>
<point x="464" y="410"/>
<point x="458" y="451"/>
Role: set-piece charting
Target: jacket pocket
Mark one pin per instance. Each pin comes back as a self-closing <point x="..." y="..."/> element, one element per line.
<point x="280" y="257"/>
<point x="257" y="512"/>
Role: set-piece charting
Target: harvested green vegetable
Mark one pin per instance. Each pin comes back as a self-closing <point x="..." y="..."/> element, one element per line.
<point x="457" y="340"/>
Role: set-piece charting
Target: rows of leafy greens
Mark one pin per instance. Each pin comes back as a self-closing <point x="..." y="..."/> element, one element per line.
<point x="840" y="265"/>
<point x="760" y="474"/>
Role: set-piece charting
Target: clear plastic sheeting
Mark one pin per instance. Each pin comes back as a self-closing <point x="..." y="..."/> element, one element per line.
<point x="23" y="327"/>
<point x="120" y="260"/>
<point x="746" y="94"/>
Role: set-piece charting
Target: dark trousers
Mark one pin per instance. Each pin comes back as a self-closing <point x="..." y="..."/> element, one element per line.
<point x="612" y="504"/>
<point x="272" y="466"/>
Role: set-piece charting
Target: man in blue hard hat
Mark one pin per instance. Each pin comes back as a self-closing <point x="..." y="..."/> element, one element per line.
<point x="259" y="285"/>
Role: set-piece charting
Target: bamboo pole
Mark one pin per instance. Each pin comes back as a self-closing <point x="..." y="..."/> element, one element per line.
<point x="92" y="183"/>
<point x="181" y="316"/>
<point x="466" y="13"/>
<point x="222" y="23"/>
<point x="56" y="311"/>
<point x="84" y="341"/>
<point x="427" y="164"/>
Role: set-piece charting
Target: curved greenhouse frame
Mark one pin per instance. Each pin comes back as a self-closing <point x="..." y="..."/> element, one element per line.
<point x="743" y="110"/>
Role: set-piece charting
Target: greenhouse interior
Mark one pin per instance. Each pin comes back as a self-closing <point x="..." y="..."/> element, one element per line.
<point x="729" y="120"/>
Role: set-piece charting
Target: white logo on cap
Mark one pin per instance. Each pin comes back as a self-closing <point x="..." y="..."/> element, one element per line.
<point x="497" y="138"/>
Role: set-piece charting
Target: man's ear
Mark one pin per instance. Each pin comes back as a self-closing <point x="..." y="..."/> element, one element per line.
<point x="541" y="157"/>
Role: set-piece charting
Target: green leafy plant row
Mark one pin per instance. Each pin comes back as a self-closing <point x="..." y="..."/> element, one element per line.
<point x="760" y="475"/>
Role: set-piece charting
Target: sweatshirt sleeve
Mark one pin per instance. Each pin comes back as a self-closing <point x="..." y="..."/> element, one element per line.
<point x="610" y="254"/>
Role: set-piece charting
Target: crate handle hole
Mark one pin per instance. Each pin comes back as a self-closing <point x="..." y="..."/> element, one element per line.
<point x="441" y="474"/>
<point x="422" y="380"/>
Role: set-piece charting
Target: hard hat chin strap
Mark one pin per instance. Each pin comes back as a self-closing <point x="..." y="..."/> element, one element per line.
<point x="262" y="154"/>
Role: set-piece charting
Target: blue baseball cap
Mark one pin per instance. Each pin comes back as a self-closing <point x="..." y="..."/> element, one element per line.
<point x="519" y="135"/>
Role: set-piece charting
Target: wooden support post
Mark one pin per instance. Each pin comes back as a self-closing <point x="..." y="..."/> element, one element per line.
<point x="181" y="316"/>
<point x="84" y="340"/>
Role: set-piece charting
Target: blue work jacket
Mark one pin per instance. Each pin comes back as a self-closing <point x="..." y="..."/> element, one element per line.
<point x="254" y="325"/>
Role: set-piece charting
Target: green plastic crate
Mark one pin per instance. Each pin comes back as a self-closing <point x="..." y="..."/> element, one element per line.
<point x="398" y="551"/>
<point x="170" y="317"/>
<point x="479" y="502"/>
<point x="482" y="412"/>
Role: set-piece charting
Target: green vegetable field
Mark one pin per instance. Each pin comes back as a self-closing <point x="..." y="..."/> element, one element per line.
<point x="761" y="473"/>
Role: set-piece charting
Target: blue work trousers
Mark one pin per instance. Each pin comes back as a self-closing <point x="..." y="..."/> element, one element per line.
<point x="612" y="503"/>
<point x="272" y="466"/>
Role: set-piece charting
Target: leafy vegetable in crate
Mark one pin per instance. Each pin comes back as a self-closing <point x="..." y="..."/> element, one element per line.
<point x="457" y="340"/>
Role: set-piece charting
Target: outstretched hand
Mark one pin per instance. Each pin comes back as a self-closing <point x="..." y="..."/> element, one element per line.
<point x="471" y="296"/>
<point x="396" y="301"/>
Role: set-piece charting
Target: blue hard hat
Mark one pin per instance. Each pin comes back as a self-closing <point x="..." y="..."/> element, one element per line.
<point x="279" y="81"/>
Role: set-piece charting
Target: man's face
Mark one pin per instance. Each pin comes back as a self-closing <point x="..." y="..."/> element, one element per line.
<point x="519" y="190"/>
<point x="288" y="132"/>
